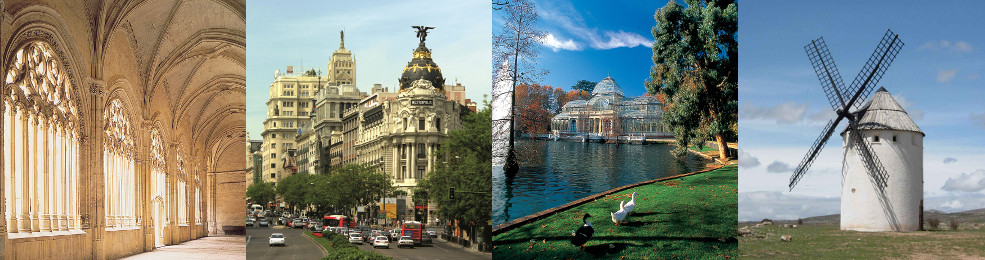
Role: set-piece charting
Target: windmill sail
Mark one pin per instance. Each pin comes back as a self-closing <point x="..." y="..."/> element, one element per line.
<point x="828" y="75"/>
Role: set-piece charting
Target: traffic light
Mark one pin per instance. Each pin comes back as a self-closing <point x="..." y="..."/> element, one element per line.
<point x="451" y="193"/>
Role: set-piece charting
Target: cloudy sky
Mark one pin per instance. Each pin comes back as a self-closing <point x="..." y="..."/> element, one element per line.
<point x="586" y="40"/>
<point x="937" y="78"/>
<point x="379" y="34"/>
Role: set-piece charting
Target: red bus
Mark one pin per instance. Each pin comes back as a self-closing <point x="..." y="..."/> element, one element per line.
<point x="413" y="229"/>
<point x="335" y="221"/>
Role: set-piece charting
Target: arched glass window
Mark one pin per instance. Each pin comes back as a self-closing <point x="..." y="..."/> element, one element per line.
<point x="182" y="192"/>
<point x="158" y="168"/>
<point x="119" y="168"/>
<point x="40" y="145"/>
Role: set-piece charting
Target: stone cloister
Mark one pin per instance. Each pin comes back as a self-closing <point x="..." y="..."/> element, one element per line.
<point x="122" y="125"/>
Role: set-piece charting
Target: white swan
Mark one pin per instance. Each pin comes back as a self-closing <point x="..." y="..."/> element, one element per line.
<point x="631" y="204"/>
<point x="619" y="215"/>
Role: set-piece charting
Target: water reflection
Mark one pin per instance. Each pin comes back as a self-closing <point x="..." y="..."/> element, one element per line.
<point x="554" y="173"/>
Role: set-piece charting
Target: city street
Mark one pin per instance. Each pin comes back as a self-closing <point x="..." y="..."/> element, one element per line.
<point x="439" y="250"/>
<point x="301" y="247"/>
<point x="297" y="245"/>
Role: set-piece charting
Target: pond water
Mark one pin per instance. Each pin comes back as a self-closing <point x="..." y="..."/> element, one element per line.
<point x="553" y="173"/>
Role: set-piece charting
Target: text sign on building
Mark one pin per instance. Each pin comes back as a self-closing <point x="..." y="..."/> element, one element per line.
<point x="422" y="102"/>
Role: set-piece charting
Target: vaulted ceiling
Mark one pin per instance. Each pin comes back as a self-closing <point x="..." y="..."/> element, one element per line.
<point x="183" y="62"/>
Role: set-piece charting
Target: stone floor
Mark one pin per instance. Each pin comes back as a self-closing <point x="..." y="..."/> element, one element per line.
<point x="229" y="247"/>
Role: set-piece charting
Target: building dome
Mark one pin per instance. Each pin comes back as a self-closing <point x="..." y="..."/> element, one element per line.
<point x="422" y="67"/>
<point x="607" y="86"/>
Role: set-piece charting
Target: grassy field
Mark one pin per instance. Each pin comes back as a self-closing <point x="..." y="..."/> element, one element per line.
<point x="690" y="218"/>
<point x="826" y="241"/>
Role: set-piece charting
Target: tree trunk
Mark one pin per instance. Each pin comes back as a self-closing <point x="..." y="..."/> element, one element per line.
<point x="722" y="148"/>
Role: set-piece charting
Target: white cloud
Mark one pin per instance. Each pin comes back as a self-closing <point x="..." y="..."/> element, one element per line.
<point x="787" y="206"/>
<point x="779" y="167"/>
<point x="950" y="160"/>
<point x="954" y="204"/>
<point x="746" y="160"/>
<point x="566" y="17"/>
<point x="555" y="44"/>
<point x="784" y="206"/>
<point x="620" y="39"/>
<point x="967" y="182"/>
<point x="945" y="76"/>
<point x="785" y="113"/>
<point x="944" y="45"/>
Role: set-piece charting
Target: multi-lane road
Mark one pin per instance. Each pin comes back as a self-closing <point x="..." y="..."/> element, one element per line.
<point x="300" y="246"/>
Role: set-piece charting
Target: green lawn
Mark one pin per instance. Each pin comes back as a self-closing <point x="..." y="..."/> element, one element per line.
<point x="826" y="241"/>
<point x="690" y="217"/>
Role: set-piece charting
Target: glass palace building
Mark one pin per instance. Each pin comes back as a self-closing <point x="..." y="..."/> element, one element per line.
<point x="609" y="115"/>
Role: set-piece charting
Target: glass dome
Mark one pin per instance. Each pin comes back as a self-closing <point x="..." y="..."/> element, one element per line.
<point x="607" y="87"/>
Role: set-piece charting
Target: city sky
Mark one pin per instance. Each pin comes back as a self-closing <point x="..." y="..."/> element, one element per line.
<point x="379" y="35"/>
<point x="936" y="78"/>
<point x="590" y="39"/>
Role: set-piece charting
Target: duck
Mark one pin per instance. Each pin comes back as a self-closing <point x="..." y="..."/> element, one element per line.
<point x="619" y="215"/>
<point x="631" y="204"/>
<point x="583" y="234"/>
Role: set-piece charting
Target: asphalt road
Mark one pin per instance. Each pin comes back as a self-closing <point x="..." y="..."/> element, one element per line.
<point x="298" y="245"/>
<point x="439" y="250"/>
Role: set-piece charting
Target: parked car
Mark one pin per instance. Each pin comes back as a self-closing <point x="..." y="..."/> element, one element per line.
<point x="355" y="238"/>
<point x="405" y="241"/>
<point x="432" y="232"/>
<point x="277" y="239"/>
<point x="264" y="222"/>
<point x="381" y="241"/>
<point x="250" y="222"/>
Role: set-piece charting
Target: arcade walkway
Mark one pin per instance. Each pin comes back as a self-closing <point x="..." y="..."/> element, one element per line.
<point x="224" y="247"/>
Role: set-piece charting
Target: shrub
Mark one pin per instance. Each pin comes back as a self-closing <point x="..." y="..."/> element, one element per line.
<point x="353" y="253"/>
<point x="934" y="223"/>
<point x="953" y="224"/>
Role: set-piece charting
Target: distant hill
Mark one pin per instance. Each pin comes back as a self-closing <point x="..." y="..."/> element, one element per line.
<point x="970" y="216"/>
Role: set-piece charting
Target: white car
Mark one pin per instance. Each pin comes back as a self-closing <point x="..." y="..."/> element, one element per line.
<point x="356" y="238"/>
<point x="432" y="232"/>
<point x="405" y="241"/>
<point x="381" y="241"/>
<point x="277" y="239"/>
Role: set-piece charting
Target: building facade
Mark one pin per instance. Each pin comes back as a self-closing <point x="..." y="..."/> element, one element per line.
<point x="609" y="114"/>
<point x="118" y="138"/>
<point x="307" y="100"/>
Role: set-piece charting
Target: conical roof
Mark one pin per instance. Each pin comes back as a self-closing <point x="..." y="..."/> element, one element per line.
<point x="882" y="112"/>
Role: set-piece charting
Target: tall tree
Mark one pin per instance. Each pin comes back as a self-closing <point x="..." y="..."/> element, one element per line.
<point x="464" y="164"/>
<point x="292" y="190"/>
<point x="584" y="85"/>
<point x="261" y="193"/>
<point x="695" y="65"/>
<point x="517" y="45"/>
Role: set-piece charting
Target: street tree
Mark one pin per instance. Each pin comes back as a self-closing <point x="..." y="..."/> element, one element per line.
<point x="517" y="44"/>
<point x="464" y="164"/>
<point x="695" y="56"/>
<point x="261" y="193"/>
<point x="292" y="190"/>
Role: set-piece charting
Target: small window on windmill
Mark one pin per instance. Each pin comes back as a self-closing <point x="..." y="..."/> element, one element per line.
<point x="894" y="138"/>
<point x="875" y="138"/>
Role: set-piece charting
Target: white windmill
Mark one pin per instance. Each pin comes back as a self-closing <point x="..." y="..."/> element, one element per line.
<point x="882" y="185"/>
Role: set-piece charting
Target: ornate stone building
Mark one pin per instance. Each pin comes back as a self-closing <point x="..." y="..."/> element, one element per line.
<point x="121" y="125"/>
<point x="294" y="98"/>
